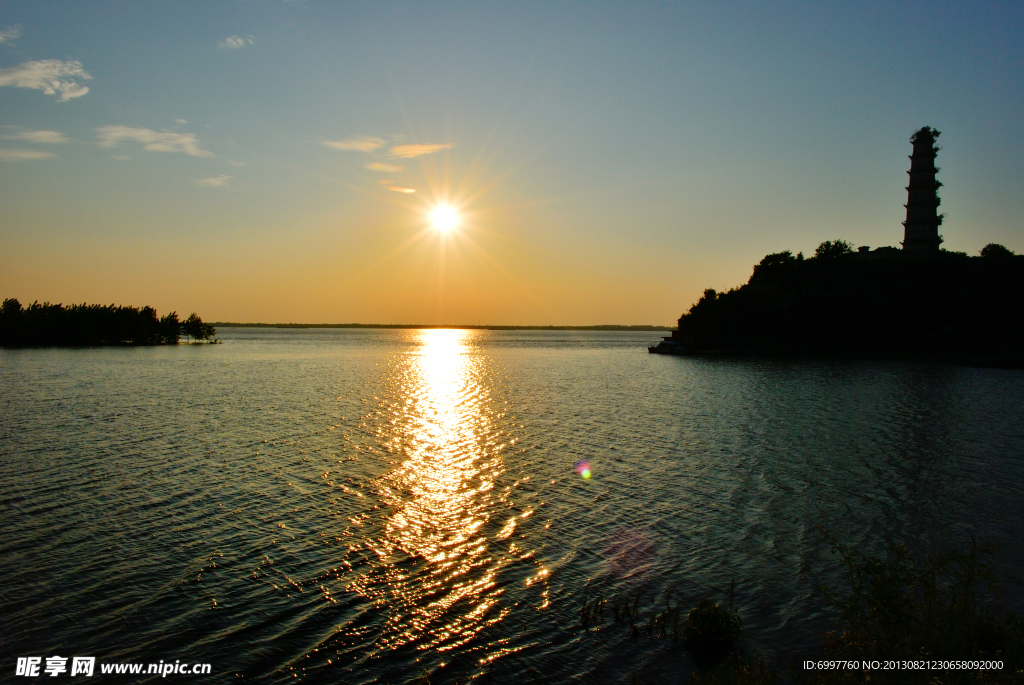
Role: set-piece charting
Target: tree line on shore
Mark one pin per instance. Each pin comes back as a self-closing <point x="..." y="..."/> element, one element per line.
<point x="885" y="303"/>
<point x="83" y="325"/>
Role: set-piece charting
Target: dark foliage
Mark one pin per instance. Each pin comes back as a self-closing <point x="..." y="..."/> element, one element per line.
<point x="933" y="608"/>
<point x="902" y="608"/>
<point x="884" y="303"/>
<point x="54" y="325"/>
<point x="996" y="251"/>
<point x="710" y="632"/>
<point x="194" y="328"/>
<point x="738" y="669"/>
<point x="830" y="249"/>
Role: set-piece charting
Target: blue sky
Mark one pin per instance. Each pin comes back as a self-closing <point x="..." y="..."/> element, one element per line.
<point x="609" y="160"/>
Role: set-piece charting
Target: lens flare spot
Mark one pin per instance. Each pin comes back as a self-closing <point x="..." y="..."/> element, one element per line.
<point x="583" y="468"/>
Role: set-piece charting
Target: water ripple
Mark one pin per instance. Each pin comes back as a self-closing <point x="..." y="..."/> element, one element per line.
<point x="361" y="506"/>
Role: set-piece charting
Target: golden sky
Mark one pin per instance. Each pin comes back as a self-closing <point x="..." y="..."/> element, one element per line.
<point x="278" y="162"/>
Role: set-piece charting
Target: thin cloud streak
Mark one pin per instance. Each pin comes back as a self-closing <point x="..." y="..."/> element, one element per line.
<point x="363" y="144"/>
<point x="399" y="189"/>
<point x="380" y="166"/>
<point x="155" y="141"/>
<point x="10" y="34"/>
<point x="214" y="181"/>
<point x="235" y="42"/>
<point x="7" y="155"/>
<point x="52" y="76"/>
<point x="49" y="137"/>
<point x="408" y="151"/>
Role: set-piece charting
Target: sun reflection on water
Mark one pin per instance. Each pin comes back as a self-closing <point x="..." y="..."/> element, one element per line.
<point x="439" y="568"/>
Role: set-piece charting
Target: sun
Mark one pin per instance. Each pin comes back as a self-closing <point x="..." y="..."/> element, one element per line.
<point x="444" y="218"/>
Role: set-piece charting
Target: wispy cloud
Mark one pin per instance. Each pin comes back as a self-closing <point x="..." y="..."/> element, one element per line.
<point x="406" y="151"/>
<point x="38" y="136"/>
<point x="386" y="168"/>
<point x="235" y="163"/>
<point x="181" y="122"/>
<point x="214" y="181"/>
<point x="155" y="141"/>
<point x="399" y="189"/>
<point x="23" y="155"/>
<point x="362" y="144"/>
<point x="236" y="42"/>
<point x="52" y="76"/>
<point x="10" y="34"/>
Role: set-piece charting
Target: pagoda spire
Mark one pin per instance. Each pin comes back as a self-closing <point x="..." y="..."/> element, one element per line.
<point x="923" y="220"/>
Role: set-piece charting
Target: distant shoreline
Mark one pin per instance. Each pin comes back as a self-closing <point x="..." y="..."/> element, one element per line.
<point x="607" y="327"/>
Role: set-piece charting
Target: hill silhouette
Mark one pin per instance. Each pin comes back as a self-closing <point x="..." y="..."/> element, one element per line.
<point x="885" y="303"/>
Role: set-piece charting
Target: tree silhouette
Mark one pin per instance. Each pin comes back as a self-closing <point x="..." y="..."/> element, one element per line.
<point x="833" y="248"/>
<point x="42" y="325"/>
<point x="995" y="250"/>
<point x="194" y="328"/>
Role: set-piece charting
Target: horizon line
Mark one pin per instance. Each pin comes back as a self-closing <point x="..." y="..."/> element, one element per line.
<point x="484" y="327"/>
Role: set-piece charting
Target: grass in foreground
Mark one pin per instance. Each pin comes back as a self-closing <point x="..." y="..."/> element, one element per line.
<point x="897" y="609"/>
<point x="940" y="608"/>
<point x="904" y="609"/>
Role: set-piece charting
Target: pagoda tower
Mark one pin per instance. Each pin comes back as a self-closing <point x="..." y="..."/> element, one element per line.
<point x="922" y="224"/>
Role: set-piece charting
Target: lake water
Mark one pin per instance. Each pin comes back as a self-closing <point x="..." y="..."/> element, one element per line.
<point x="361" y="506"/>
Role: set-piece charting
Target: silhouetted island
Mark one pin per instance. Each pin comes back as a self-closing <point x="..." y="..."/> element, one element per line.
<point x="83" y="325"/>
<point x="919" y="302"/>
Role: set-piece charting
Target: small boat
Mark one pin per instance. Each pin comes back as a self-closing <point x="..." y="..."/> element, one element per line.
<point x="668" y="345"/>
<point x="679" y="349"/>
